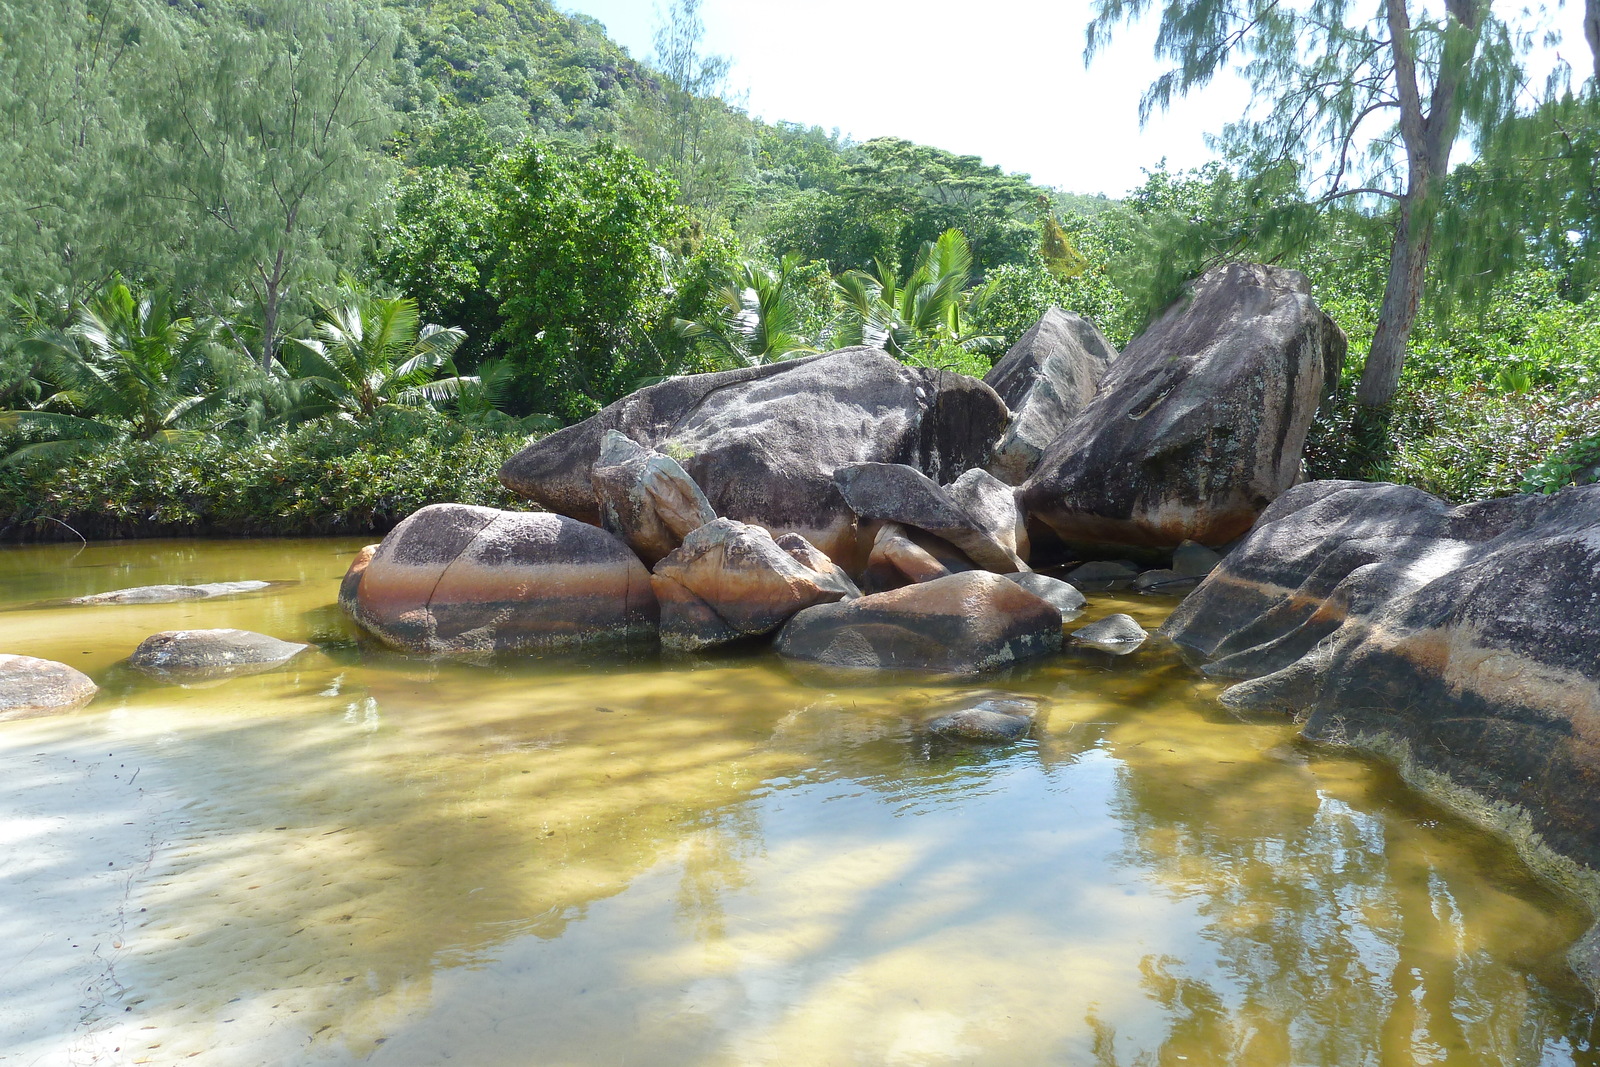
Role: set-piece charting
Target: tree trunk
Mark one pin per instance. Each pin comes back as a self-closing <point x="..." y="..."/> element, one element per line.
<point x="272" y="297"/>
<point x="1402" y="295"/>
<point x="1591" y="30"/>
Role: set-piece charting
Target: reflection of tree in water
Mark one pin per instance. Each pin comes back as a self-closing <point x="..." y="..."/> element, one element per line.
<point x="1333" y="935"/>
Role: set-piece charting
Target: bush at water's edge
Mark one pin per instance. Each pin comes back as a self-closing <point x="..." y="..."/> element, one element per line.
<point x="323" y="477"/>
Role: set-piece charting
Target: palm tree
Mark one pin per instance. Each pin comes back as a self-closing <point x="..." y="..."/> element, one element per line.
<point x="933" y="309"/>
<point x="755" y="319"/>
<point x="368" y="351"/>
<point x="129" y="365"/>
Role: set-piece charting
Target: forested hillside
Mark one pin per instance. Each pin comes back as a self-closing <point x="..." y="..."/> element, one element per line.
<point x="230" y="226"/>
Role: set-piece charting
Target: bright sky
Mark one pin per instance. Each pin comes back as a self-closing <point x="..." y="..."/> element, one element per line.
<point x="1004" y="80"/>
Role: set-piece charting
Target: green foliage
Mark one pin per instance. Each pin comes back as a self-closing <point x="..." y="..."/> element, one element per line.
<point x="326" y="476"/>
<point x="756" y="316"/>
<point x="933" y="309"/>
<point x="582" y="278"/>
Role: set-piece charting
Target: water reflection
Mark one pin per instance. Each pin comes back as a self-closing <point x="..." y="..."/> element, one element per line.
<point x="383" y="859"/>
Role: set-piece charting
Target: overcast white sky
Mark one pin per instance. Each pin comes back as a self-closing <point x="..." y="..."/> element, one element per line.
<point x="1004" y="79"/>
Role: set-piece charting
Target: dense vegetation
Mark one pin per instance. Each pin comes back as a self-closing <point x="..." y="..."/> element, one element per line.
<point x="304" y="265"/>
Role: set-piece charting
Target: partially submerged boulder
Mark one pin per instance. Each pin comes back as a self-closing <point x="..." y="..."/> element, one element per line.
<point x="31" y="687"/>
<point x="995" y="720"/>
<point x="1200" y="423"/>
<point x="646" y="498"/>
<point x="1103" y="575"/>
<point x="899" y="493"/>
<point x="1463" y="641"/>
<point x="185" y="655"/>
<point x="730" y="580"/>
<point x="1064" y="595"/>
<point x="1117" y="634"/>
<point x="455" y="578"/>
<point x="169" y="594"/>
<point x="763" y="442"/>
<point x="958" y="624"/>
<point x="1047" y="377"/>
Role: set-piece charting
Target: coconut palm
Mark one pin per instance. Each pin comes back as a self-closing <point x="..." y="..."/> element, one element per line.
<point x="755" y="316"/>
<point x="369" y="351"/>
<point x="933" y="309"/>
<point x="128" y="365"/>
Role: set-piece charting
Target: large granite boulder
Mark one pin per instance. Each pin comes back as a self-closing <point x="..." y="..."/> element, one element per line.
<point x="30" y="687"/>
<point x="1047" y="377"/>
<point x="763" y="442"/>
<point x="729" y="581"/>
<point x="192" y="655"/>
<point x="453" y="578"/>
<point x="959" y="624"/>
<point x="645" y="497"/>
<point x="1463" y="641"/>
<point x="1200" y="424"/>
<point x="901" y="494"/>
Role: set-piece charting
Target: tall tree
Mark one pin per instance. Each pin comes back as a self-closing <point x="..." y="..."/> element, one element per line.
<point x="269" y="142"/>
<point x="1369" y="97"/>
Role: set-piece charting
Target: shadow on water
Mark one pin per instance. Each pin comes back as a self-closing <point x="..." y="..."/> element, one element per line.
<point x="377" y="858"/>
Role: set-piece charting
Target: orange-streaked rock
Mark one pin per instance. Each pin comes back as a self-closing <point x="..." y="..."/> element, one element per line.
<point x="30" y="687"/>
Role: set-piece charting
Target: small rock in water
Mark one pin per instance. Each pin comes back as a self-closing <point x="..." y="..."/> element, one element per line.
<point x="1118" y="634"/>
<point x="195" y="654"/>
<point x="1103" y="575"/>
<point x="1164" y="581"/>
<point x="168" y="594"/>
<point x="1194" y="560"/>
<point x="1063" y="595"/>
<point x="995" y="721"/>
<point x="31" y="687"/>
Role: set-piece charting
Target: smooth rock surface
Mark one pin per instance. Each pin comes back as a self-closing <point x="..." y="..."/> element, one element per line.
<point x="169" y="594"/>
<point x="1164" y="580"/>
<point x="31" y="687"/>
<point x="453" y="578"/>
<point x="898" y="493"/>
<point x="646" y="498"/>
<point x="1103" y="575"/>
<point x="1461" y="640"/>
<point x="959" y="624"/>
<point x="185" y="654"/>
<point x="994" y="721"/>
<point x="1200" y="423"/>
<point x="1047" y="377"/>
<point x="1118" y="634"/>
<point x="1194" y="560"/>
<point x="813" y="557"/>
<point x="897" y="560"/>
<point x="763" y="442"/>
<point x="730" y="580"/>
<point x="992" y="504"/>
<point x="1064" y="595"/>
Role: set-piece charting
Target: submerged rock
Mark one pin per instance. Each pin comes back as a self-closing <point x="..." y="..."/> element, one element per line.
<point x="1103" y="575"/>
<point x="31" y="687"/>
<point x="1164" y="580"/>
<point x="453" y="578"/>
<point x="196" y="654"/>
<point x="1462" y="640"/>
<point x="1118" y="634"/>
<point x="763" y="442"/>
<point x="645" y="498"/>
<point x="959" y="624"/>
<point x="1047" y="377"/>
<point x="168" y="594"/>
<point x="901" y="494"/>
<point x="1201" y="421"/>
<point x="730" y="580"/>
<point x="994" y="721"/>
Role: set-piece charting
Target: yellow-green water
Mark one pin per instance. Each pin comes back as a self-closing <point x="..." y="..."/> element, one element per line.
<point x="369" y="858"/>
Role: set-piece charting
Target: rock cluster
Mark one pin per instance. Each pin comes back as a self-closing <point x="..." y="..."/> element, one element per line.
<point x="718" y="508"/>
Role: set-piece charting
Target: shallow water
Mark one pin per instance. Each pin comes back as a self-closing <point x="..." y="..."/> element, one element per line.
<point x="368" y="858"/>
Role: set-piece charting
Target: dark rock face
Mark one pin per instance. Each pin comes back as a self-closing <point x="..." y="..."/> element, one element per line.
<point x="197" y="654"/>
<point x="763" y="442"/>
<point x="169" y="594"/>
<point x="901" y="494"/>
<point x="1200" y="424"/>
<point x="959" y="624"/>
<point x="453" y="578"/>
<point x="645" y="498"/>
<point x="729" y="580"/>
<point x="1050" y="375"/>
<point x="1467" y="638"/>
<point x="1118" y="634"/>
<point x="31" y="687"/>
<point x="1103" y="575"/>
